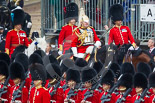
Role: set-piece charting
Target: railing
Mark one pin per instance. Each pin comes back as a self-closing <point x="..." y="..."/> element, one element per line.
<point x="97" y="10"/>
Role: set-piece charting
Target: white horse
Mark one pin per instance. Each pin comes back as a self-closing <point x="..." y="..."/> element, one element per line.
<point x="38" y="43"/>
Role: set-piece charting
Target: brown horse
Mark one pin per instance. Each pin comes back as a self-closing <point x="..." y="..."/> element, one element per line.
<point x="135" y="57"/>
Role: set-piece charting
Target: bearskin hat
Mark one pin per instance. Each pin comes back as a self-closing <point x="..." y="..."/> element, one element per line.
<point x="116" y="12"/>
<point x="5" y="57"/>
<point x="126" y="80"/>
<point x="152" y="80"/>
<point x="73" y="74"/>
<point x="38" y="72"/>
<point x="71" y="12"/>
<point x="4" y="70"/>
<point x="66" y="64"/>
<point x="16" y="70"/>
<point x="35" y="58"/>
<point x="108" y="78"/>
<point x="80" y="63"/>
<point x="140" y="80"/>
<point x="127" y="68"/>
<point x="18" y="49"/>
<point x="18" y="16"/>
<point x="88" y="74"/>
<point x="53" y="59"/>
<point x="53" y="71"/>
<point x="144" y="68"/>
<point x="23" y="59"/>
<point x="116" y="69"/>
<point x="98" y="66"/>
<point x="40" y="52"/>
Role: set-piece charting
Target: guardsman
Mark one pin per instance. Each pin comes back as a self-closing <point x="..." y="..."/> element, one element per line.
<point x="73" y="94"/>
<point x="107" y="82"/>
<point x="140" y="84"/>
<point x="23" y="59"/>
<point x="90" y="94"/>
<point x="65" y="36"/>
<point x="119" y="34"/>
<point x="17" y="74"/>
<point x="152" y="86"/>
<point x="55" y="90"/>
<point x="125" y="83"/>
<point x="16" y="36"/>
<point x="4" y="73"/>
<point x="38" y="94"/>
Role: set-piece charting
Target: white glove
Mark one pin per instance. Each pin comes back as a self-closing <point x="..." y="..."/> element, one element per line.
<point x="60" y="52"/>
<point x="97" y="44"/>
<point x="29" y="25"/>
<point x="131" y="48"/>
<point x="89" y="49"/>
<point x="74" y="49"/>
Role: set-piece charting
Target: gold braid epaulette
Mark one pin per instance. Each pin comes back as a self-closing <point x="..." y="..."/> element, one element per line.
<point x="80" y="36"/>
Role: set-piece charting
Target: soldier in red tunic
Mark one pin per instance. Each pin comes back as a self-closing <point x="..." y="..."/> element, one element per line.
<point x="16" y="36"/>
<point x="17" y="74"/>
<point x="119" y="34"/>
<point x="38" y="94"/>
<point x="140" y="84"/>
<point x="107" y="82"/>
<point x="73" y="94"/>
<point x="125" y="83"/>
<point x="4" y="72"/>
<point x="152" y="86"/>
<point x="65" y="36"/>
<point x="84" y="39"/>
<point x="90" y="94"/>
<point x="54" y="88"/>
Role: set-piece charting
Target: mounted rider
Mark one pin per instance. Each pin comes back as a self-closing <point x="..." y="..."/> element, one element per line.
<point x="84" y="39"/>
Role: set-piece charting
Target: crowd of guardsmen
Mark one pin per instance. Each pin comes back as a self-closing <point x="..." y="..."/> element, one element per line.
<point x="42" y="79"/>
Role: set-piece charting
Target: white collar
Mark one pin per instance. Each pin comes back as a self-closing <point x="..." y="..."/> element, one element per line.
<point x="152" y="49"/>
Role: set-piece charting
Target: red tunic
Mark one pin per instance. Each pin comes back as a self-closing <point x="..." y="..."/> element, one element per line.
<point x="13" y="38"/>
<point x="24" y="95"/>
<point x="77" y="98"/>
<point x="58" y="97"/>
<point x="120" y="36"/>
<point x="151" y="99"/>
<point x="28" y="81"/>
<point x="112" y="99"/>
<point x="94" y="99"/>
<point x="76" y="42"/>
<point x="5" y="97"/>
<point x="128" y="99"/>
<point x="137" y="97"/>
<point x="40" y="95"/>
<point x="65" y="37"/>
<point x="62" y="82"/>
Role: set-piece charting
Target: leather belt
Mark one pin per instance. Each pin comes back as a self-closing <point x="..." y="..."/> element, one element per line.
<point x="15" y="45"/>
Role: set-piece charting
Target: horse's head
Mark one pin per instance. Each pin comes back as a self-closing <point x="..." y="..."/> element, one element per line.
<point x="40" y="43"/>
<point x="5" y="17"/>
<point x="107" y="53"/>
